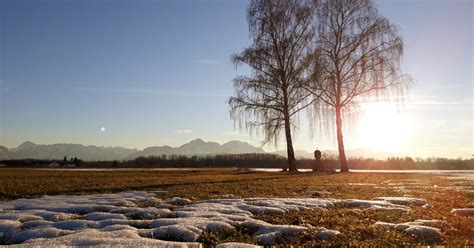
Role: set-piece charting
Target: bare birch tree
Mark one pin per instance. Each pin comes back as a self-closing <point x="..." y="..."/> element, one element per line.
<point x="271" y="97"/>
<point x="358" y="55"/>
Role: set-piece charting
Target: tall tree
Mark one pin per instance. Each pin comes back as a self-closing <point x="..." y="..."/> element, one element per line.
<point x="358" y="57"/>
<point x="272" y="95"/>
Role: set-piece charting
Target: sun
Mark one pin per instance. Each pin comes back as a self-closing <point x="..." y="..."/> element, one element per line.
<point x="382" y="127"/>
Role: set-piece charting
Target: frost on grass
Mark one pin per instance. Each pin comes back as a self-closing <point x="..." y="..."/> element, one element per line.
<point x="141" y="219"/>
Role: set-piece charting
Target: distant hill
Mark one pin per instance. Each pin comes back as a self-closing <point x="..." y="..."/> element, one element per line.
<point x="199" y="147"/>
<point x="29" y="149"/>
<point x="5" y="153"/>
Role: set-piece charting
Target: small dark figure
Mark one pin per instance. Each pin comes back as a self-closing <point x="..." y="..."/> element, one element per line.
<point x="318" y="166"/>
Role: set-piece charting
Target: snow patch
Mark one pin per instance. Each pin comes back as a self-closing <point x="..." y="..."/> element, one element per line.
<point x="406" y="201"/>
<point x="179" y="201"/>
<point x="175" y="232"/>
<point x="419" y="228"/>
<point x="83" y="204"/>
<point x="430" y="233"/>
<point x="204" y="224"/>
<point x="268" y="234"/>
<point x="8" y="225"/>
<point x="75" y="224"/>
<point x="236" y="245"/>
<point x="118" y="227"/>
<point x="134" y="223"/>
<point x="19" y="216"/>
<point x="463" y="211"/>
<point x="142" y="213"/>
<point x="92" y="237"/>
<point x="35" y="223"/>
<point x="326" y="234"/>
<point x="104" y="216"/>
<point x="375" y="204"/>
<point x="19" y="236"/>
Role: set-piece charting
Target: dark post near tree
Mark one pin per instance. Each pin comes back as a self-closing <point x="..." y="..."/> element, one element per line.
<point x="318" y="166"/>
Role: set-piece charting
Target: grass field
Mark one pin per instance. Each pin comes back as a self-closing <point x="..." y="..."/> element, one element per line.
<point x="443" y="193"/>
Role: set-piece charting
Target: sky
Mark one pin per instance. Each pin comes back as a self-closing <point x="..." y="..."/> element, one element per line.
<point x="158" y="72"/>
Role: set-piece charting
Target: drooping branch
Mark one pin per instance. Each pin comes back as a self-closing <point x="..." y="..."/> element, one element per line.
<point x="358" y="56"/>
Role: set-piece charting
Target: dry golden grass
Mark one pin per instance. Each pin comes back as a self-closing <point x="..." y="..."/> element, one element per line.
<point x="205" y="184"/>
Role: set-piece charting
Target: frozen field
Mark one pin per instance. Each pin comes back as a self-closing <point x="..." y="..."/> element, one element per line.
<point x="137" y="217"/>
<point x="229" y="208"/>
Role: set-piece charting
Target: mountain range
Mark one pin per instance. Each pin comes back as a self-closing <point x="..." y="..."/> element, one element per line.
<point x="29" y="149"/>
<point x="199" y="147"/>
<point x="195" y="147"/>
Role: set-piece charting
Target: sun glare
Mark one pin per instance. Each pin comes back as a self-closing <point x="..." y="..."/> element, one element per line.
<point x="382" y="127"/>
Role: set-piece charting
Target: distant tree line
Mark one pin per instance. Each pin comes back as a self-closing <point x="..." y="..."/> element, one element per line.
<point x="331" y="162"/>
<point x="65" y="162"/>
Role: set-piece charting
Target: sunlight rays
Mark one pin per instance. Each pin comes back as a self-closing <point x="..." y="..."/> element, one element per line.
<point x="382" y="127"/>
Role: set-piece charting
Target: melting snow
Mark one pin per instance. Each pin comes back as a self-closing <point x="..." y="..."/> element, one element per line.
<point x="268" y="234"/>
<point x="104" y="216"/>
<point x="92" y="237"/>
<point x="138" y="218"/>
<point x="19" y="236"/>
<point x="75" y="224"/>
<point x="236" y="245"/>
<point x="326" y="234"/>
<point x="179" y="201"/>
<point x="426" y="232"/>
<point x="463" y="211"/>
<point x="378" y="204"/>
<point x="419" y="228"/>
<point x="403" y="200"/>
<point x="8" y="225"/>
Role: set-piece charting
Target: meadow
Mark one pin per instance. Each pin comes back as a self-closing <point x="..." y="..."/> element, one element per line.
<point x="357" y="225"/>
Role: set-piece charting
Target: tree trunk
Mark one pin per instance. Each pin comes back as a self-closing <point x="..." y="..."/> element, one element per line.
<point x="340" y="141"/>
<point x="289" y="146"/>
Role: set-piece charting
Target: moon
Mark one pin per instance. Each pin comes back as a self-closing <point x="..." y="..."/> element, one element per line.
<point x="102" y="129"/>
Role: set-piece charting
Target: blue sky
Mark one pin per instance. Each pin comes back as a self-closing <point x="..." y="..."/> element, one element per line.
<point x="156" y="72"/>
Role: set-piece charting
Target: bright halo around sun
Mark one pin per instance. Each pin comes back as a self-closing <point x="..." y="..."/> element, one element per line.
<point x="382" y="127"/>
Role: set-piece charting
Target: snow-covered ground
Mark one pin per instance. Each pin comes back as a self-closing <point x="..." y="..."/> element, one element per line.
<point x="138" y="218"/>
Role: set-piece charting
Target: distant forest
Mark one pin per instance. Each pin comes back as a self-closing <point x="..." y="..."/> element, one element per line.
<point x="254" y="160"/>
